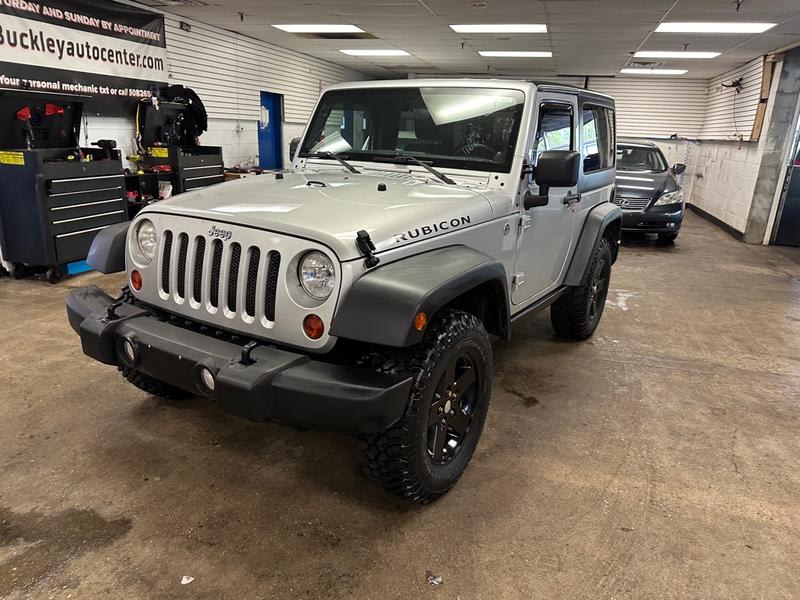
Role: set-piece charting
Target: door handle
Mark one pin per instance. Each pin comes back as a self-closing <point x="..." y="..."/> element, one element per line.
<point x="570" y="198"/>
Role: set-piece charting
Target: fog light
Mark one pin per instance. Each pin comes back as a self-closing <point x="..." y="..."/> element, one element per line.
<point x="313" y="327"/>
<point x="670" y="225"/>
<point x="136" y="280"/>
<point x="207" y="379"/>
<point x="129" y="351"/>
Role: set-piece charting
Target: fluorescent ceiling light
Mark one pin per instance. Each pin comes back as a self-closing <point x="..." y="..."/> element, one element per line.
<point x="509" y="28"/>
<point x="668" y="54"/>
<point x="514" y="54"/>
<point x="654" y="71"/>
<point x="728" y="27"/>
<point x="369" y="52"/>
<point x="319" y="28"/>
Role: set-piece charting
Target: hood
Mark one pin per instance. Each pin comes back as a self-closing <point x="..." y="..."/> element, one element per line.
<point x="644" y="184"/>
<point x="332" y="207"/>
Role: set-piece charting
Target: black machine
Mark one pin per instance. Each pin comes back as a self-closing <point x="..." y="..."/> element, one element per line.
<point x="54" y="195"/>
<point x="168" y="131"/>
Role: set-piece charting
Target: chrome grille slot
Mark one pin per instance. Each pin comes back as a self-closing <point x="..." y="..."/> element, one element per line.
<point x="252" y="278"/>
<point x="272" y="285"/>
<point x="183" y="249"/>
<point x="233" y="275"/>
<point x="199" y="258"/>
<point x="165" y="262"/>
<point x="216" y="267"/>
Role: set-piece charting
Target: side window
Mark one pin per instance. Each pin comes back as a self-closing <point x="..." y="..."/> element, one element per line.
<point x="555" y="131"/>
<point x="597" y="138"/>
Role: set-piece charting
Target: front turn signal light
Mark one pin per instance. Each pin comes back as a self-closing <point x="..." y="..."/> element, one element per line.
<point x="313" y="327"/>
<point x="420" y="321"/>
<point x="136" y="280"/>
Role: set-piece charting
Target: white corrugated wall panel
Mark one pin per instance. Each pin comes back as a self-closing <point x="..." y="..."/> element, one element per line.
<point x="228" y="71"/>
<point x="656" y="108"/>
<point x="728" y="114"/>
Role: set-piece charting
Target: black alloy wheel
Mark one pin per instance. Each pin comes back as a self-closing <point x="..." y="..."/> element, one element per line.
<point x="451" y="410"/>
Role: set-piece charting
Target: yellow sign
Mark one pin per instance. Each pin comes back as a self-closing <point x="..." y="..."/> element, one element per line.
<point x="12" y="158"/>
<point x="159" y="152"/>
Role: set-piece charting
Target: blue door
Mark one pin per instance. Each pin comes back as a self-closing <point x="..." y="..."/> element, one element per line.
<point x="270" y="136"/>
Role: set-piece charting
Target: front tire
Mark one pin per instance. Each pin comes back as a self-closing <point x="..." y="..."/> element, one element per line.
<point x="423" y="455"/>
<point x="667" y="237"/>
<point x="153" y="386"/>
<point x="577" y="313"/>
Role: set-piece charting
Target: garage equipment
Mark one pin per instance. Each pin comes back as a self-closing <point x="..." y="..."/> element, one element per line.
<point x="54" y="197"/>
<point x="168" y="130"/>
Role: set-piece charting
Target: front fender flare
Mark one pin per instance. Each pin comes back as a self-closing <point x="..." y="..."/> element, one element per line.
<point x="107" y="252"/>
<point x="380" y="307"/>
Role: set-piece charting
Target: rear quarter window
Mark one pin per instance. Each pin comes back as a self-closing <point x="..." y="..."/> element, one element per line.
<point x="597" y="138"/>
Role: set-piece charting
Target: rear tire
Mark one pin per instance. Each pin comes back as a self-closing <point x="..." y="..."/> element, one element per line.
<point x="423" y="455"/>
<point x="577" y="313"/>
<point x="154" y="387"/>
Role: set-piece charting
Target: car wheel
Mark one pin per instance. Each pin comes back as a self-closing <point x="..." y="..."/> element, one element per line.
<point x="667" y="237"/>
<point x="577" y="313"/>
<point x="423" y="455"/>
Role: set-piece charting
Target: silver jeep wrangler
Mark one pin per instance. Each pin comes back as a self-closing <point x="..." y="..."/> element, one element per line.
<point x="360" y="289"/>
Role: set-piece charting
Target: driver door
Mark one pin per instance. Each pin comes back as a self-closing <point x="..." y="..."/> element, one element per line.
<point x="546" y="232"/>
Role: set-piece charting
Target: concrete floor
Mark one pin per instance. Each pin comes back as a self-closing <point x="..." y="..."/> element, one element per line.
<point x="661" y="459"/>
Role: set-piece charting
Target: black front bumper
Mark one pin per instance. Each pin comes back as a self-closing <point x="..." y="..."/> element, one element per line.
<point x="278" y="385"/>
<point x="652" y="220"/>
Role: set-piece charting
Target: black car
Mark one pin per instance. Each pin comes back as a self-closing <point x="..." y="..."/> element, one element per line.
<point x="647" y="190"/>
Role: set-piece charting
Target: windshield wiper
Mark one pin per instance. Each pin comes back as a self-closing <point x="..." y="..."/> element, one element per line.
<point x="405" y="159"/>
<point x="334" y="156"/>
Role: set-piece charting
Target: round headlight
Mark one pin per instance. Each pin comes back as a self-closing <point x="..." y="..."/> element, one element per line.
<point x="146" y="238"/>
<point x="316" y="275"/>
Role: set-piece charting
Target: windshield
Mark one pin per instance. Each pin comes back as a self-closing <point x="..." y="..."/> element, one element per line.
<point x="461" y="128"/>
<point x="640" y="158"/>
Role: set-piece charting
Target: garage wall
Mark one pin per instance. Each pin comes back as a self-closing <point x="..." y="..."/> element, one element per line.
<point x="656" y="107"/>
<point x="721" y="170"/>
<point x="729" y="114"/>
<point x="229" y="71"/>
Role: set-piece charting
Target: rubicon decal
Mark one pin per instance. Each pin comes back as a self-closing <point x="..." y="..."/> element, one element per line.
<point x="427" y="230"/>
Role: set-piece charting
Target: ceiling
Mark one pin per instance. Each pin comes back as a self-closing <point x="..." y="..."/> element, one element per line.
<point x="586" y="37"/>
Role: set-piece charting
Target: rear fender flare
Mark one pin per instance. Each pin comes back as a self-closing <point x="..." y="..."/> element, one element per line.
<point x="605" y="219"/>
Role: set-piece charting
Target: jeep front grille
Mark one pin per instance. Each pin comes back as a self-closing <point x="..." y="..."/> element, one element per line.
<point x="207" y="270"/>
<point x="632" y="203"/>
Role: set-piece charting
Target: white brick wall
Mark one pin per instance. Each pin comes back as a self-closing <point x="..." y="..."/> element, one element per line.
<point x="724" y="180"/>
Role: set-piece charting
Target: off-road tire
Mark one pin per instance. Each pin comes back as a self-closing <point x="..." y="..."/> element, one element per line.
<point x="667" y="237"/>
<point x="576" y="314"/>
<point x="153" y="386"/>
<point x="399" y="458"/>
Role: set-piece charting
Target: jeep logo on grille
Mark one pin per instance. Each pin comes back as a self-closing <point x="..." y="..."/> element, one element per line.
<point x="223" y="234"/>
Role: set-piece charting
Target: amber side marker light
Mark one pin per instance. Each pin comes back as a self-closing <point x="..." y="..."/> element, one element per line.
<point x="313" y="327"/>
<point x="136" y="280"/>
<point x="420" y="321"/>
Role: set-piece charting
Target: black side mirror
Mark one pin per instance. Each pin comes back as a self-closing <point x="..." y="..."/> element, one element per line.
<point x="293" y="147"/>
<point x="678" y="168"/>
<point x="557" y="168"/>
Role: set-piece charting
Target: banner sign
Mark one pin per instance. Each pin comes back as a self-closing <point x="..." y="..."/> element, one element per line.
<point x="99" y="49"/>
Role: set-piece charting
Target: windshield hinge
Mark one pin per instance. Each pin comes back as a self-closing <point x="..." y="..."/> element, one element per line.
<point x="525" y="222"/>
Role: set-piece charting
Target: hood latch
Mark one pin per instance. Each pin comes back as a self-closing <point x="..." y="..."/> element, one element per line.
<point x="367" y="249"/>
